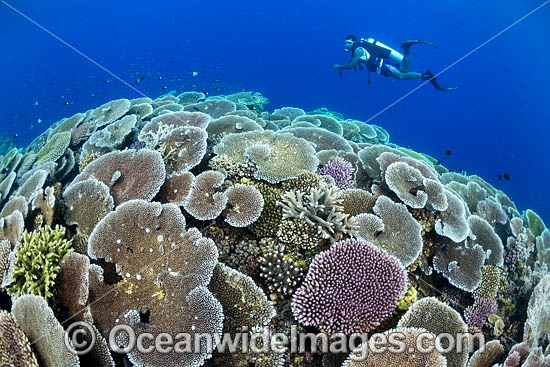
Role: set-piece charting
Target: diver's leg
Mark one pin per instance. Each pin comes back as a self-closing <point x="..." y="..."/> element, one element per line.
<point x="405" y="66"/>
<point x="398" y="74"/>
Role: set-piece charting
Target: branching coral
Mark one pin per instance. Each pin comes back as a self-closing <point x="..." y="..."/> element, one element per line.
<point x="320" y="208"/>
<point x="37" y="262"/>
<point x="341" y="170"/>
<point x="351" y="287"/>
<point x="476" y="315"/>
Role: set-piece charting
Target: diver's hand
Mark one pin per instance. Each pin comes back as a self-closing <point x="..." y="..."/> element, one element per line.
<point x="336" y="67"/>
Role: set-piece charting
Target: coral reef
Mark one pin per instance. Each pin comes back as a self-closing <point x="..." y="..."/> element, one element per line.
<point x="202" y="214"/>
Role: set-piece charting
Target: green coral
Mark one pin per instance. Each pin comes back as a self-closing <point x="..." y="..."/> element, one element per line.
<point x="535" y="223"/>
<point x="6" y="160"/>
<point x="54" y="149"/>
<point x="37" y="262"/>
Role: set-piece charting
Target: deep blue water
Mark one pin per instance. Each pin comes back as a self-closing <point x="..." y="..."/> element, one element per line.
<point x="496" y="122"/>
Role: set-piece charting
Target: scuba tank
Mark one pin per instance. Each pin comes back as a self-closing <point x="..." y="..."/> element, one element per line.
<point x="382" y="49"/>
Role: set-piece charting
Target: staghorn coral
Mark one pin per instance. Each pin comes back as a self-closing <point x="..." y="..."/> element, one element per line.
<point x="15" y="349"/>
<point x="87" y="203"/>
<point x="288" y="155"/>
<point x="320" y="208"/>
<point x="395" y="230"/>
<point x="244" y="205"/>
<point x="351" y="287"/>
<point x="175" y="285"/>
<point x="129" y="174"/>
<point x="438" y="318"/>
<point x="45" y="333"/>
<point x="411" y="357"/>
<point x="341" y="170"/>
<point x="176" y="188"/>
<point x="538" y="314"/>
<point x="281" y="273"/>
<point x="204" y="202"/>
<point x="37" y="262"/>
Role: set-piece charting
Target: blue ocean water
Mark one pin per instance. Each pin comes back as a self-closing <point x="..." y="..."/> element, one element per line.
<point x="495" y="123"/>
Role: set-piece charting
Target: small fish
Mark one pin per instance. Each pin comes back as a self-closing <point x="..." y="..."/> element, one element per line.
<point x="245" y="89"/>
<point x="140" y="79"/>
<point x="205" y="92"/>
<point x="194" y="85"/>
<point x="500" y="177"/>
<point x="160" y="78"/>
<point x="218" y="80"/>
<point x="506" y="176"/>
<point x="448" y="152"/>
<point x="36" y="103"/>
<point x="193" y="73"/>
<point x="217" y="89"/>
<point x="39" y="121"/>
<point x="164" y="88"/>
<point x="106" y="81"/>
<point x="15" y="136"/>
<point x="66" y="103"/>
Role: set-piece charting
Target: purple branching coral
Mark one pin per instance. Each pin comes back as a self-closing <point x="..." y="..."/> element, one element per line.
<point x="339" y="169"/>
<point x="351" y="287"/>
<point x="477" y="314"/>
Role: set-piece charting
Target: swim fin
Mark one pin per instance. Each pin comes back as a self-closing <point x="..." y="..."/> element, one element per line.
<point x="407" y="44"/>
<point x="428" y="75"/>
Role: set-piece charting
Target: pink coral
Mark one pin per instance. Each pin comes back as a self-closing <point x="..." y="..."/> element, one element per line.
<point x="351" y="287"/>
<point x="339" y="169"/>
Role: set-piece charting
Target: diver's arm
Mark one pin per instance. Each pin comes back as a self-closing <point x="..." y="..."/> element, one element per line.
<point x="352" y="62"/>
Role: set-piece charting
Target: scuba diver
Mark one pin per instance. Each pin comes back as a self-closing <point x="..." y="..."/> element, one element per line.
<point x="385" y="61"/>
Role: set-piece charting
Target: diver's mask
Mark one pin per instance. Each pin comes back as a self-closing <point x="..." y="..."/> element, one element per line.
<point x="348" y="44"/>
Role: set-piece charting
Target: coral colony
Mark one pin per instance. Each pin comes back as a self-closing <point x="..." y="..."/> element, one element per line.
<point x="188" y="214"/>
